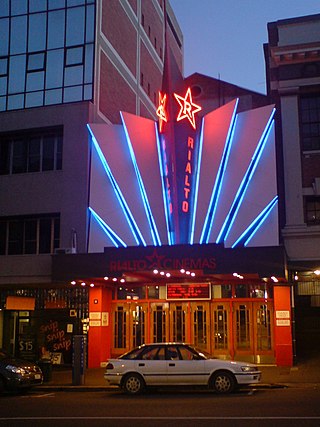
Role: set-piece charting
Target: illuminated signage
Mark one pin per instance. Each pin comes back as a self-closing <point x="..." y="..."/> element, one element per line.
<point x="161" y="111"/>
<point x="187" y="108"/>
<point x="188" y="291"/>
<point x="187" y="177"/>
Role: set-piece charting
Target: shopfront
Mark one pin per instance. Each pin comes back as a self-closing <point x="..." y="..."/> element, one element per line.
<point x="236" y="304"/>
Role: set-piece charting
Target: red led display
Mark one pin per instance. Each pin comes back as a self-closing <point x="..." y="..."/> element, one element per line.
<point x="188" y="291"/>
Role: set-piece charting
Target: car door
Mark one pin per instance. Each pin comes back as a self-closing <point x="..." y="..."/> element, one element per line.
<point x="183" y="368"/>
<point x="153" y="366"/>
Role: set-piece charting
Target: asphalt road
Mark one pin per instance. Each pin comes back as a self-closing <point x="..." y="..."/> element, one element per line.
<point x="271" y="407"/>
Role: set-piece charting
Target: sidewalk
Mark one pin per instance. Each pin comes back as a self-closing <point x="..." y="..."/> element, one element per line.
<point x="302" y="374"/>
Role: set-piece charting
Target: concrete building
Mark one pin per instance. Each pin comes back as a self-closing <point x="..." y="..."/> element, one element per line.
<point x="63" y="64"/>
<point x="293" y="76"/>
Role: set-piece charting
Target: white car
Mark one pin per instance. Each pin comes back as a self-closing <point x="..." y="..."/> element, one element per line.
<point x="177" y="364"/>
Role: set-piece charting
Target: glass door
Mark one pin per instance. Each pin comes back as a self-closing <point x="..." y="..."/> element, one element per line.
<point x="243" y="331"/>
<point x="159" y="318"/>
<point x="263" y="321"/>
<point x="221" y="337"/>
<point x="200" y="325"/>
<point x="178" y="323"/>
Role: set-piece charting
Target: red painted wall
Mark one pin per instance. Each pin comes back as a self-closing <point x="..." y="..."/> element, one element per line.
<point x="99" y="336"/>
<point x="283" y="325"/>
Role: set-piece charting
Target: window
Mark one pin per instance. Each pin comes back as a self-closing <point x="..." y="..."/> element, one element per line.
<point x="312" y="210"/>
<point x="31" y="152"/>
<point x="36" y="61"/>
<point x="310" y="122"/>
<point x="29" y="235"/>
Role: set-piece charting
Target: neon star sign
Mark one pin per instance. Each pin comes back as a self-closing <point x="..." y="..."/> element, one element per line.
<point x="161" y="111"/>
<point x="187" y="108"/>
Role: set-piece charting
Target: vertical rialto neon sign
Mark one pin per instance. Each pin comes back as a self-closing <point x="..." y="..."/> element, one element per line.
<point x="180" y="174"/>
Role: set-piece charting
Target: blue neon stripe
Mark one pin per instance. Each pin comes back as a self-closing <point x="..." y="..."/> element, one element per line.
<point x="116" y="240"/>
<point x="196" y="192"/>
<point x="131" y="222"/>
<point x="207" y="227"/>
<point x="253" y="228"/>
<point x="164" y="192"/>
<point x="245" y="182"/>
<point x="146" y="204"/>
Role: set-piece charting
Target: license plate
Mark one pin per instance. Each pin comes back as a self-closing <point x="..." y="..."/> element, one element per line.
<point x="37" y="376"/>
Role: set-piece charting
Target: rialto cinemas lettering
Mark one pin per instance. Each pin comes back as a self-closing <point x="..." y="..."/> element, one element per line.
<point x="166" y="263"/>
<point x="187" y="176"/>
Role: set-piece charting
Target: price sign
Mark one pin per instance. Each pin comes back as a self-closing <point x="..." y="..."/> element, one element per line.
<point x="194" y="291"/>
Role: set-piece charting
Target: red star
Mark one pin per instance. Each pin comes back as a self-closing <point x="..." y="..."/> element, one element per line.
<point x="188" y="108"/>
<point x="155" y="260"/>
<point x="161" y="111"/>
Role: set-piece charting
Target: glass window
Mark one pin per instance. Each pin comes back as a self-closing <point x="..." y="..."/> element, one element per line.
<point x="19" y="158"/>
<point x="4" y="9"/>
<point x="221" y="291"/>
<point x="73" y="75"/>
<point x="4" y="39"/>
<point x="18" y="7"/>
<point x="310" y="123"/>
<point x="56" y="4"/>
<point x="45" y="236"/>
<point x="75" y="2"/>
<point x="88" y="94"/>
<point x="75" y="26"/>
<point x="125" y="293"/>
<point x="90" y="29"/>
<point x="242" y="291"/>
<point x="35" y="81"/>
<point x="34" y="155"/>
<point x="36" y="61"/>
<point x="17" y="70"/>
<point x="54" y="74"/>
<point x="88" y="72"/>
<point x="48" y="153"/>
<point x="3" y="85"/>
<point x="34" y="99"/>
<point x="53" y="97"/>
<point x="18" y="35"/>
<point x="3" y="66"/>
<point x="15" y="102"/>
<point x="15" y="241"/>
<point x="153" y="292"/>
<point x="72" y="94"/>
<point x="3" y="237"/>
<point x="30" y="234"/>
<point x="37" y="32"/>
<point x="74" y="56"/>
<point x="56" y="29"/>
<point x="312" y="210"/>
<point x="37" y="5"/>
<point x="5" y="147"/>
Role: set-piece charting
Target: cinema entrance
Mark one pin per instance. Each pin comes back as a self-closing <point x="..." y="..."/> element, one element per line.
<point x="226" y="328"/>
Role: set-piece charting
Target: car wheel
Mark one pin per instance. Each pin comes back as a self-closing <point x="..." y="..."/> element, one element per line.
<point x="133" y="384"/>
<point x="223" y="382"/>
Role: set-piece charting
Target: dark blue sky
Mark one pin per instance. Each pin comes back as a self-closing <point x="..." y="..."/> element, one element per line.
<point x="224" y="38"/>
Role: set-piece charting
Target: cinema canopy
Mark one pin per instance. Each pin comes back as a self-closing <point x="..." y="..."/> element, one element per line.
<point x="183" y="233"/>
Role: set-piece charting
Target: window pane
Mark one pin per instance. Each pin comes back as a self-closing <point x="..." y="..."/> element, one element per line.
<point x="34" y="155"/>
<point x="45" y="236"/>
<point x="4" y="39"/>
<point x="17" y="70"/>
<point x="5" y="157"/>
<point x="75" y="26"/>
<point x="15" y="244"/>
<point x="19" y="161"/>
<point x="73" y="94"/>
<point x="48" y="153"/>
<point x="56" y="29"/>
<point x="74" y="56"/>
<point x="53" y="96"/>
<point x="35" y="81"/>
<point x="37" y="32"/>
<point x="34" y="99"/>
<point x="56" y="241"/>
<point x="73" y="76"/>
<point x="54" y="75"/>
<point x="18" y="35"/>
<point x="30" y="236"/>
<point x="37" y="5"/>
<point x="4" y="9"/>
<point x="90" y="24"/>
<point x="59" y="153"/>
<point x="36" y="61"/>
<point x="15" y="102"/>
<point x="3" y="237"/>
<point x="18" y="7"/>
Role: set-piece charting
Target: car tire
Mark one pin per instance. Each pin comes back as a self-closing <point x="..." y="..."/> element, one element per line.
<point x="133" y="384"/>
<point x="223" y="382"/>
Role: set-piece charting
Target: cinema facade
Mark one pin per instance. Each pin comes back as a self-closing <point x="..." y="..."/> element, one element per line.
<point x="183" y="234"/>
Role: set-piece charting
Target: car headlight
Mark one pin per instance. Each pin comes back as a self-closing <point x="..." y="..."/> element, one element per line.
<point x="249" y="368"/>
<point x="15" y="369"/>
